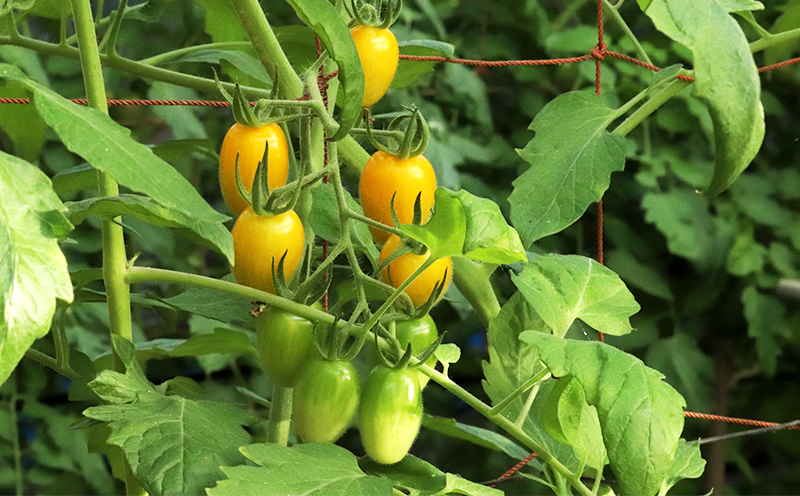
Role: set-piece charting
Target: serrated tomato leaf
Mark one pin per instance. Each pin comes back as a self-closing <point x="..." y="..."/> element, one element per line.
<point x="318" y="468"/>
<point x="572" y="157"/>
<point x="641" y="416"/>
<point x="563" y="288"/>
<point x="725" y="75"/>
<point x="33" y="270"/>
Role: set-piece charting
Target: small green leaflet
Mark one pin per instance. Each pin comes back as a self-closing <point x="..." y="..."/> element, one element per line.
<point x="687" y="464"/>
<point x="725" y="75"/>
<point x="318" y="468"/>
<point x="572" y="157"/>
<point x="766" y="323"/>
<point x="476" y="435"/>
<point x="641" y="416"/>
<point x="409" y="71"/>
<point x="33" y="270"/>
<point x="563" y="288"/>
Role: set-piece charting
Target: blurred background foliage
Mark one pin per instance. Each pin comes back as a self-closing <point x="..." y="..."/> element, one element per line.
<point x="717" y="278"/>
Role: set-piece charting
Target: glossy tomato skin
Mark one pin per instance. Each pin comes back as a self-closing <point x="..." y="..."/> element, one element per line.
<point x="285" y="345"/>
<point x="420" y="333"/>
<point x="379" y="54"/>
<point x="401" y="269"/>
<point x="385" y="176"/>
<point x="260" y="239"/>
<point x="250" y="143"/>
<point x="390" y="413"/>
<point x="325" y="400"/>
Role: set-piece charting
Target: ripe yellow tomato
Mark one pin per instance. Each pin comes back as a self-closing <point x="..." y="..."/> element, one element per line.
<point x="401" y="269"/>
<point x="258" y="240"/>
<point x="250" y="143"/>
<point x="385" y="176"/>
<point x="379" y="55"/>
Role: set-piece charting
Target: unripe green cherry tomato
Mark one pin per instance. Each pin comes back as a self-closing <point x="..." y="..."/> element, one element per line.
<point x="325" y="400"/>
<point x="285" y="345"/>
<point x="420" y="333"/>
<point x="402" y="267"/>
<point x="385" y="176"/>
<point x="390" y="413"/>
<point x="258" y="240"/>
<point x="379" y="55"/>
<point x="250" y="143"/>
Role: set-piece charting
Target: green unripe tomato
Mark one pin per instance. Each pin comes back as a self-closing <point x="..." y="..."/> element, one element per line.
<point x="285" y="345"/>
<point x="325" y="400"/>
<point x="420" y="333"/>
<point x="390" y="413"/>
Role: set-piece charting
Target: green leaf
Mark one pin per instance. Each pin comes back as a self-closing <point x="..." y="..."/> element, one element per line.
<point x="109" y="147"/>
<point x="33" y="270"/>
<point x="687" y="464"/>
<point x="447" y="354"/>
<point x="175" y="445"/>
<point x="747" y="256"/>
<point x="409" y="71"/>
<point x="563" y="288"/>
<point x="151" y="212"/>
<point x="445" y="232"/>
<point x="183" y="121"/>
<point x="414" y="476"/>
<point x="325" y="221"/>
<point x="223" y="307"/>
<point x="740" y="5"/>
<point x="302" y="469"/>
<point x="476" y="435"/>
<point x="21" y="123"/>
<point x="576" y="41"/>
<point x="766" y="324"/>
<point x="325" y="21"/>
<point x="691" y="232"/>
<point x="721" y="53"/>
<point x="640" y="415"/>
<point x="572" y="157"/>
<point x="686" y="366"/>
<point x="638" y="274"/>
<point x="245" y="62"/>
<point x="222" y="23"/>
<point x="788" y="20"/>
<point x="489" y="238"/>
<point x="511" y="364"/>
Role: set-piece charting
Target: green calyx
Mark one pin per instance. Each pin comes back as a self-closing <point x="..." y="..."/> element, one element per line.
<point x="376" y="13"/>
<point x="336" y="343"/>
<point x="413" y="128"/>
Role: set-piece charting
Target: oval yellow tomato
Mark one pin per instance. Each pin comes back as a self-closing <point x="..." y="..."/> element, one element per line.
<point x="401" y="269"/>
<point x="379" y="54"/>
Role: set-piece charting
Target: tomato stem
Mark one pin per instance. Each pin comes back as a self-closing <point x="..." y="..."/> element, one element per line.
<point x="280" y="415"/>
<point x="651" y="105"/>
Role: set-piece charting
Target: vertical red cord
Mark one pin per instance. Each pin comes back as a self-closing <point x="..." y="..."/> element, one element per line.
<point x="599" y="53"/>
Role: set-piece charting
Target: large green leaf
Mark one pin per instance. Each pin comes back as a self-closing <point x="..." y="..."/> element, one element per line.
<point x="109" y="147"/>
<point x="563" y="288"/>
<point x="641" y="416"/>
<point x="315" y="468"/>
<point x="151" y="212"/>
<point x="325" y="21"/>
<point x="414" y="476"/>
<point x="33" y="270"/>
<point x="725" y="76"/>
<point x="572" y="157"/>
<point x="174" y="445"/>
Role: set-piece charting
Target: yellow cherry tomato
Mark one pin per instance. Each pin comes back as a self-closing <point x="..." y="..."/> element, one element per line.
<point x="250" y="143"/>
<point x="401" y="269"/>
<point x="258" y="240"/>
<point x="385" y="176"/>
<point x="379" y="55"/>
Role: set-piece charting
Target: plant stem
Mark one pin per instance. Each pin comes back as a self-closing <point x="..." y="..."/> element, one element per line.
<point x="774" y="39"/>
<point x="50" y="362"/>
<point x="145" y="274"/>
<point x="280" y="415"/>
<point x="473" y="280"/>
<point x="500" y="406"/>
<point x="613" y="12"/>
<point x="651" y="106"/>
<point x="166" y="56"/>
<point x="267" y="47"/>
<point x="114" y="257"/>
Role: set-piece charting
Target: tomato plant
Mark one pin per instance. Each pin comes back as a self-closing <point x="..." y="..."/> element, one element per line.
<point x="390" y="413"/>
<point x="325" y="400"/>
<point x="261" y="242"/>
<point x="379" y="55"/>
<point x="401" y="268"/>
<point x="285" y="345"/>
<point x="248" y="144"/>
<point x="419" y="333"/>
<point x="387" y="178"/>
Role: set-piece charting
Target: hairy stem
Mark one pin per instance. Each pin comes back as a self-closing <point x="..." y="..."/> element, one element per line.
<point x="280" y="415"/>
<point x="651" y="106"/>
